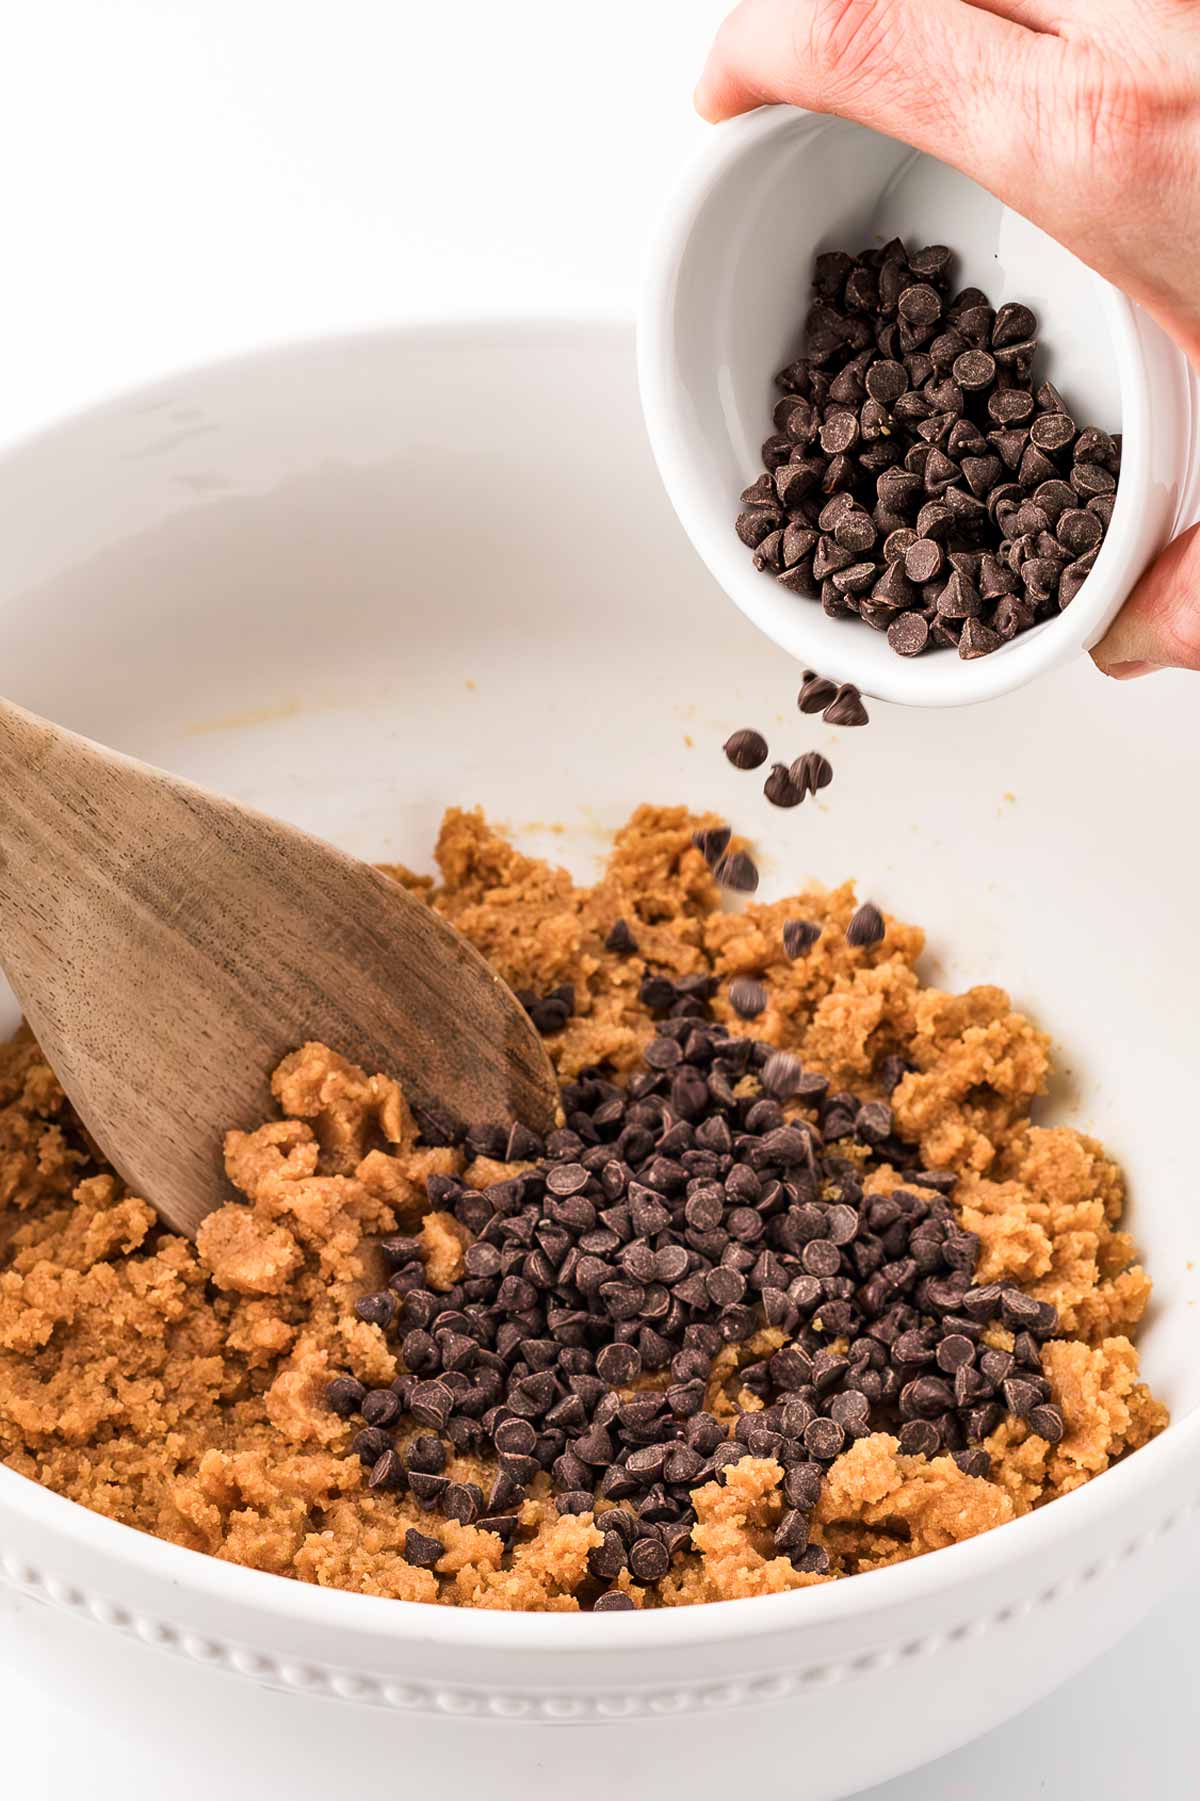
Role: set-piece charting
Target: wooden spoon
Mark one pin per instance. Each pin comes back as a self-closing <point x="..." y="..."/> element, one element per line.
<point x="169" y="947"/>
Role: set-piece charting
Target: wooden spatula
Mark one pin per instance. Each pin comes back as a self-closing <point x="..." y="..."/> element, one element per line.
<point x="168" y="947"/>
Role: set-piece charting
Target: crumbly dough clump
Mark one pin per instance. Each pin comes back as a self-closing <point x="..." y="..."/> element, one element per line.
<point x="179" y="1388"/>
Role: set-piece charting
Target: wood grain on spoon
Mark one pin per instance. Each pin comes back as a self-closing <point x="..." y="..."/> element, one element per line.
<point x="169" y="947"/>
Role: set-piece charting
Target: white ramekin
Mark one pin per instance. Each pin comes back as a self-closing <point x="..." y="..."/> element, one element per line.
<point x="307" y="577"/>
<point x="723" y="309"/>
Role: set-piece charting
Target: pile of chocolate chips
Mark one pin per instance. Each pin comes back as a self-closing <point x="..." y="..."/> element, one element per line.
<point x="918" y="477"/>
<point x="670" y="1218"/>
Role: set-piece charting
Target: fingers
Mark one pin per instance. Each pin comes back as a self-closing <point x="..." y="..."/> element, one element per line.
<point x="951" y="79"/>
<point x="1159" y="625"/>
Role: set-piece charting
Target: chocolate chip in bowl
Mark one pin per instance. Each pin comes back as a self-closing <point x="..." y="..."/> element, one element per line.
<point x="724" y="312"/>
<point x="921" y="477"/>
<point x="674" y="1348"/>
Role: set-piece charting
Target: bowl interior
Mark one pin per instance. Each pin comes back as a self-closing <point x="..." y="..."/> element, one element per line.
<point x="771" y="191"/>
<point x="297" y="578"/>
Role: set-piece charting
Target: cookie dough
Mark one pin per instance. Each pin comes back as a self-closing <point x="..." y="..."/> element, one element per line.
<point x="180" y="1388"/>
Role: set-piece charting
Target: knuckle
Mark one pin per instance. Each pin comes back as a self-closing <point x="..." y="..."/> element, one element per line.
<point x="1122" y="116"/>
<point x="845" y="42"/>
<point x="1109" y="110"/>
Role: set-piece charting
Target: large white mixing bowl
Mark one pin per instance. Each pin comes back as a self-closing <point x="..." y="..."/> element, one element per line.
<point x="355" y="581"/>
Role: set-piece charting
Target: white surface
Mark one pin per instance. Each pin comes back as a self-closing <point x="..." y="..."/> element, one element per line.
<point x="199" y="177"/>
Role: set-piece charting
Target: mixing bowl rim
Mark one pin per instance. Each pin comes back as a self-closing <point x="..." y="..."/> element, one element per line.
<point x="892" y="1595"/>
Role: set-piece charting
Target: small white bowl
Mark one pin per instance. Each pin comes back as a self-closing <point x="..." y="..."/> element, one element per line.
<point x="723" y="309"/>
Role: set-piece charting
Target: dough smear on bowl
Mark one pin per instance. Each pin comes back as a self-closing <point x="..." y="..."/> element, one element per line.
<point x="185" y="1390"/>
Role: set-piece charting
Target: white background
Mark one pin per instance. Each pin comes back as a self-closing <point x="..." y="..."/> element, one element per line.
<point x="182" y="178"/>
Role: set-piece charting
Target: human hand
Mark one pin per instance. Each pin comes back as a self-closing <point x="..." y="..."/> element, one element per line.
<point x="1084" y="115"/>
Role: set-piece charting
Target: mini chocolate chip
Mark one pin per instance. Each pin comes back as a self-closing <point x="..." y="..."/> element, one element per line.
<point x="618" y="1364"/>
<point x="737" y="871"/>
<point x="1021" y="1396"/>
<point x="1052" y="432"/>
<point x="712" y="843"/>
<point x="427" y="1454"/>
<point x="567" y="1179"/>
<point x="974" y="370"/>
<point x="920" y="305"/>
<point x="387" y="1473"/>
<point x="977" y="639"/>
<point x="614" y="1600"/>
<point x="421" y="1550"/>
<point x="908" y="634"/>
<point x="648" y="1559"/>
<point x="515" y="1437"/>
<point x="1047" y="1421"/>
<point x="866" y="926"/>
<point x="746" y="749"/>
<point x="816" y="692"/>
<point x="747" y="997"/>
<point x="920" y="1438"/>
<point x="462" y="1501"/>
<point x="820" y="1257"/>
<point x="846" y="708"/>
<point x="344" y="1396"/>
<point x="377" y="1309"/>
<point x="620" y="939"/>
<point x="1079" y="530"/>
<point x="382" y="1407"/>
<point x="607" y="1560"/>
<point x="1014" y="324"/>
<point x="811" y="772"/>
<point x="799" y="936"/>
<point x="780" y="789"/>
<point x="954" y="1351"/>
<point x="824" y="1439"/>
<point x="431" y="1404"/>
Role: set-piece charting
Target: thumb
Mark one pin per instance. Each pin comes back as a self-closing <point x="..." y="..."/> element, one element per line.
<point x="1159" y="625"/>
<point x="953" y="80"/>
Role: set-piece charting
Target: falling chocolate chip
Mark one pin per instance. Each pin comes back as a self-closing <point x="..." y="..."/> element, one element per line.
<point x="780" y="789"/>
<point x="816" y="692"/>
<point x="746" y="749"/>
<point x="846" y="708"/>
<point x="811" y="772"/>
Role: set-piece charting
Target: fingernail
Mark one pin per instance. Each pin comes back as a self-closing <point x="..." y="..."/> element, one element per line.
<point x="1127" y="672"/>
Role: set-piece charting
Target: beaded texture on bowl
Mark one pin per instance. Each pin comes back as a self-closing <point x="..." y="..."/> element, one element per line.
<point x="540" y="1706"/>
